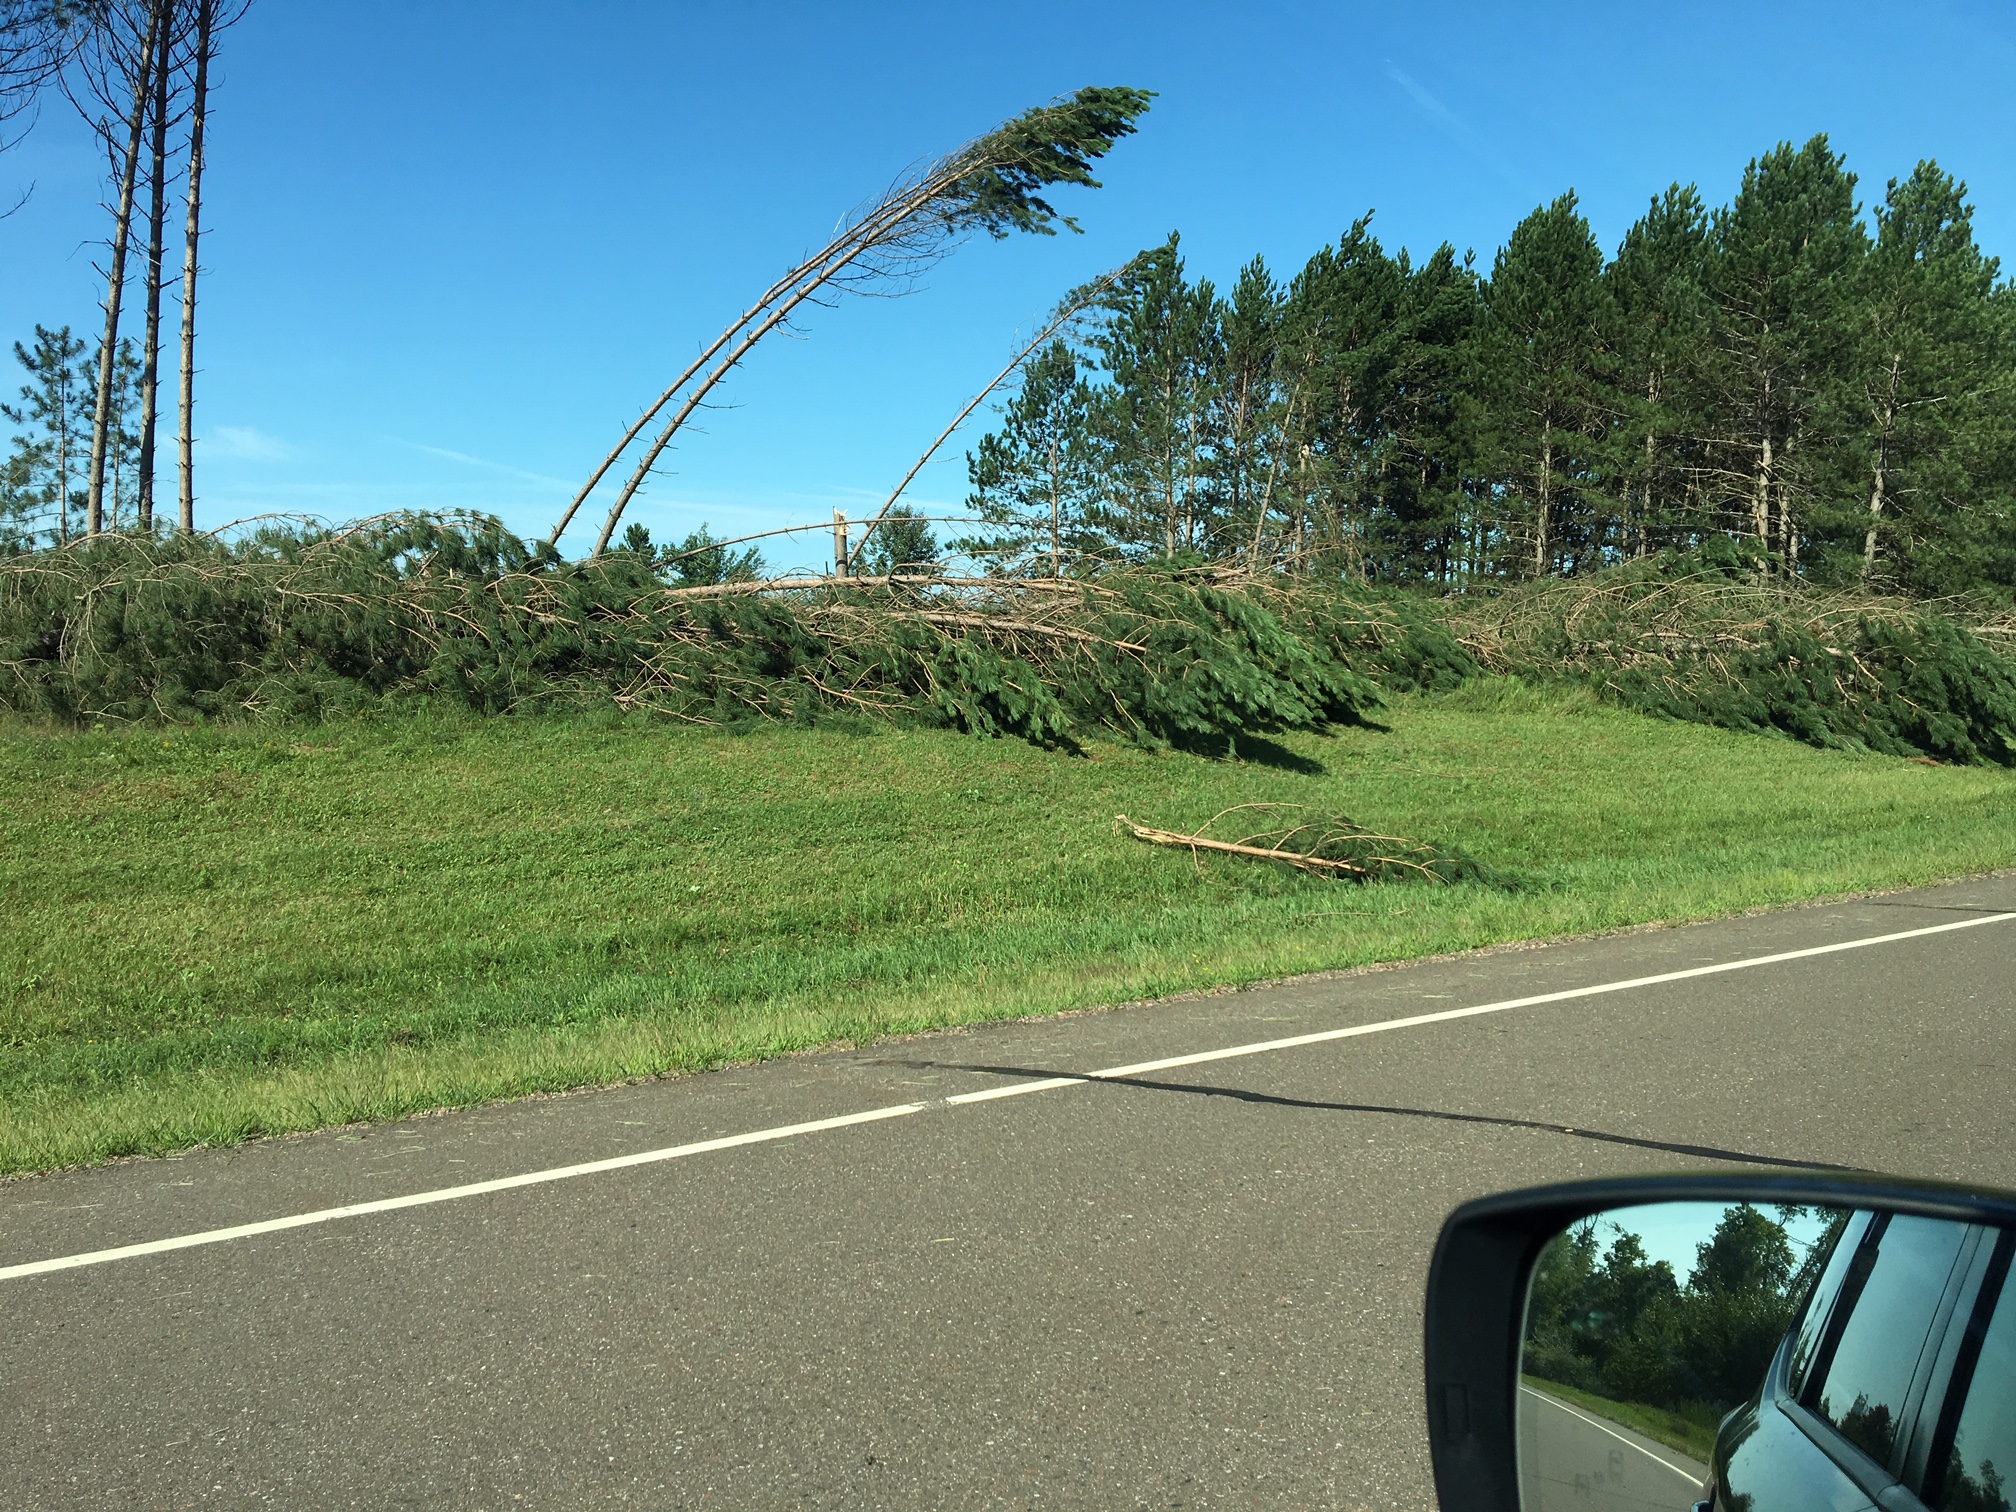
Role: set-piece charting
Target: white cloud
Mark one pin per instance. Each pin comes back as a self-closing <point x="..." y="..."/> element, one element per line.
<point x="1458" y="129"/>
<point x="467" y="460"/>
<point x="245" y="441"/>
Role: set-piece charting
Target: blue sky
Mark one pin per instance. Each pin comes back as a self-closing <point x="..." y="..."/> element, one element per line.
<point x="456" y="245"/>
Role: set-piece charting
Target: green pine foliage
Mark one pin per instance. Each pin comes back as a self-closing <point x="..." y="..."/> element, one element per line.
<point x="456" y="610"/>
<point x="1702" y="638"/>
<point x="1834" y="387"/>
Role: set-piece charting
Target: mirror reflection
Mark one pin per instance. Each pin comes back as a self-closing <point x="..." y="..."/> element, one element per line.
<point x="1769" y="1359"/>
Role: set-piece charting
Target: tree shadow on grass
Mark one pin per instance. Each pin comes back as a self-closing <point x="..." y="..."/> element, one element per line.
<point x="1257" y="750"/>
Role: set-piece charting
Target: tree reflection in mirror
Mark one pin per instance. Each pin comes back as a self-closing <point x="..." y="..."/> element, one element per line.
<point x="1644" y="1327"/>
<point x="1769" y="1359"/>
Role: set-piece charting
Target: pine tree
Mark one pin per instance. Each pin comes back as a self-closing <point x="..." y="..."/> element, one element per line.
<point x="1340" y="331"/>
<point x="1159" y="345"/>
<point x="903" y="543"/>
<point x="1034" y="479"/>
<point x="1784" y="261"/>
<point x="1930" y="362"/>
<point x="1428" y="524"/>
<point x="1245" y="403"/>
<point x="1657" y="285"/>
<point x="46" y="468"/>
<point x="700" y="560"/>
<point x="125" y="445"/>
<point x="1546" y="362"/>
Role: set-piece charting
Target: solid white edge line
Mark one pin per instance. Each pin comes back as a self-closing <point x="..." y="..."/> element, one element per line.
<point x="454" y="1193"/>
<point x="990" y="1094"/>
<point x="1553" y="1401"/>
<point x="1448" y="1015"/>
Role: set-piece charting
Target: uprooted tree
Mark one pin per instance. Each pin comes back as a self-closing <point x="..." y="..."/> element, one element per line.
<point x="992" y="184"/>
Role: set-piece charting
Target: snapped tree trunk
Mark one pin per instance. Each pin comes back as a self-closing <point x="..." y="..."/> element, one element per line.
<point x="115" y="278"/>
<point x="206" y="16"/>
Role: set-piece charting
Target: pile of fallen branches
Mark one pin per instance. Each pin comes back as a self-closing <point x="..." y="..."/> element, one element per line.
<point x="1679" y="638"/>
<point x="1324" y="845"/>
<point x="295" y="622"/>
<point x="1996" y="627"/>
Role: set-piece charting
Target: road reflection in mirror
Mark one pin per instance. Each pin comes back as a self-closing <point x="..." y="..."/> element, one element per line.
<point x="1769" y="1359"/>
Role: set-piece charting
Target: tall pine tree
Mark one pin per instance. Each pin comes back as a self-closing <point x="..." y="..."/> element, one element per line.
<point x="1546" y="363"/>
<point x="1783" y="267"/>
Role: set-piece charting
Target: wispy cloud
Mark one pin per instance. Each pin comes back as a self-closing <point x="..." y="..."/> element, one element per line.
<point x="447" y="454"/>
<point x="246" y="441"/>
<point x="1466" y="136"/>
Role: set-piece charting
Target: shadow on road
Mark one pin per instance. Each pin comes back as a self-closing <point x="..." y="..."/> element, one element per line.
<point x="1241" y="1094"/>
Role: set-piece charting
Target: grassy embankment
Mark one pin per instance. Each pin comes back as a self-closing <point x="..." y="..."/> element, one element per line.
<point x="1656" y="1423"/>
<point x="213" y="934"/>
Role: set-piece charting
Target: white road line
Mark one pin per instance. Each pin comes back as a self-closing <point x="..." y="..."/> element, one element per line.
<point x="1296" y="1041"/>
<point x="452" y="1194"/>
<point x="901" y="1110"/>
<point x="1687" y="1475"/>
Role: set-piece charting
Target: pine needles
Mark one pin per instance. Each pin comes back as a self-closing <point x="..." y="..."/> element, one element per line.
<point x="455" y="610"/>
<point x="1691" y="640"/>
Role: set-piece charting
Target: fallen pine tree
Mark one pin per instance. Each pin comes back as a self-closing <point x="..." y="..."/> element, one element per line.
<point x="288" y="623"/>
<point x="1716" y="642"/>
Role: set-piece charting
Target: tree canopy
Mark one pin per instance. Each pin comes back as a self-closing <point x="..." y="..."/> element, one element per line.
<point x="1831" y="393"/>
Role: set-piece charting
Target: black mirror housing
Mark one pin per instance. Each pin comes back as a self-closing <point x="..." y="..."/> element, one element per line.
<point x="1474" y="1322"/>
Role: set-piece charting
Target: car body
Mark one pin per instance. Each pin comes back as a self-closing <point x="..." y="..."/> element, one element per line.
<point x="1892" y="1389"/>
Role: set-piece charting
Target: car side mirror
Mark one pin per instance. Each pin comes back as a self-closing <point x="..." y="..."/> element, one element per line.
<point x="1725" y="1342"/>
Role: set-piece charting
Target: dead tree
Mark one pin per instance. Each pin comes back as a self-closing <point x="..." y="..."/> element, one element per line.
<point x="120" y="75"/>
<point x="211" y="17"/>
<point x="165" y="95"/>
<point x="988" y="185"/>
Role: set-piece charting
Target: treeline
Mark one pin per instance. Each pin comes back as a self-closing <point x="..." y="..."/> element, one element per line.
<point x="1832" y="392"/>
<point x="87" y="455"/>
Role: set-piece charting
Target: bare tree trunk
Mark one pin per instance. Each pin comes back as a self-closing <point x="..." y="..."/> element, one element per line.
<point x="1544" y="509"/>
<point x="1056" y="511"/>
<point x="115" y="286"/>
<point x="1760" y="494"/>
<point x="839" y="544"/>
<point x="694" y="400"/>
<point x="1877" y="482"/>
<point x="206" y="15"/>
<point x="821" y="267"/>
<point x="150" y="357"/>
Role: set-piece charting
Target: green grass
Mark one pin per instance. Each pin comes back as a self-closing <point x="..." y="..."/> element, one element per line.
<point x="1656" y="1423"/>
<point x="218" y="933"/>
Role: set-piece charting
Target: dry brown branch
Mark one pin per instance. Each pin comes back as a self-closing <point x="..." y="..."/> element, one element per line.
<point x="1196" y="843"/>
<point x="1322" y="845"/>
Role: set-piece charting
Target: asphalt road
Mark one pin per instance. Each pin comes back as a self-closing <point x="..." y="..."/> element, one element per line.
<point x="1193" y="1287"/>
<point x="1573" y="1461"/>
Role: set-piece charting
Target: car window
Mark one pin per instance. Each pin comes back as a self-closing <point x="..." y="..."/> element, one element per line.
<point x="1865" y="1377"/>
<point x="1820" y="1306"/>
<point x="1982" y="1460"/>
